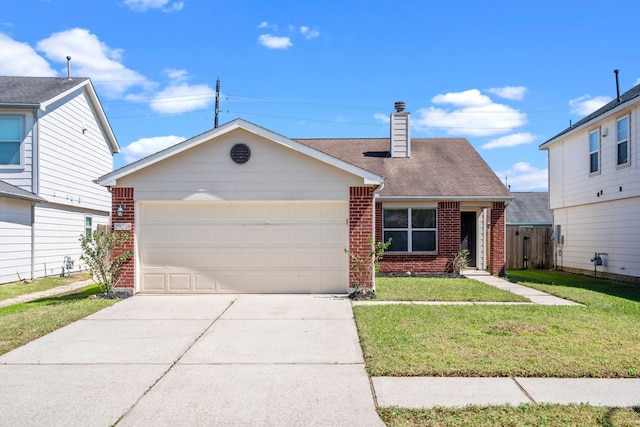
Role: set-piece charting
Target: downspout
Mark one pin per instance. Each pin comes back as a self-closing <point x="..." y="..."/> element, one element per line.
<point x="376" y="194"/>
<point x="35" y="183"/>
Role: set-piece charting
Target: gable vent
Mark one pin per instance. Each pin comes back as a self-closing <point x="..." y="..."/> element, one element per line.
<point x="400" y="137"/>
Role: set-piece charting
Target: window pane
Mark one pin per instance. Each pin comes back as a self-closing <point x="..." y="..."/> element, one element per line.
<point x="622" y="129"/>
<point x="396" y="218"/>
<point x="423" y="241"/>
<point x="594" y="162"/>
<point x="622" y="153"/>
<point x="398" y="241"/>
<point x="9" y="153"/>
<point x="593" y="141"/>
<point x="423" y="218"/>
<point x="10" y="129"/>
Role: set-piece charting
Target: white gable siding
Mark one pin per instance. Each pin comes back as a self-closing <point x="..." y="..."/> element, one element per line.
<point x="21" y="177"/>
<point x="58" y="232"/>
<point x="207" y="173"/>
<point x="15" y="244"/>
<point x="71" y="159"/>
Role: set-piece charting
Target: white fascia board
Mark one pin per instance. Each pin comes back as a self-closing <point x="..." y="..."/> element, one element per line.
<point x="111" y="178"/>
<point x="97" y="107"/>
<point x="445" y="198"/>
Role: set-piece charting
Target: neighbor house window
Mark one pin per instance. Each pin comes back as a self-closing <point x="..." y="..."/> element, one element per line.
<point x="10" y="140"/>
<point x="88" y="225"/>
<point x="594" y="151"/>
<point x="622" y="140"/>
<point x="410" y="229"/>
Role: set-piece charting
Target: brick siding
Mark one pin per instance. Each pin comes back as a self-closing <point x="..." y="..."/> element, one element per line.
<point x="361" y="220"/>
<point x="124" y="196"/>
<point x="497" y="236"/>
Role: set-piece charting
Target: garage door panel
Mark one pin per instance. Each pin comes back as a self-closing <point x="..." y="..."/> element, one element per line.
<point x="243" y="247"/>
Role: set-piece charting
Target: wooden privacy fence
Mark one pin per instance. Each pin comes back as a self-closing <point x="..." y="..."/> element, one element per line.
<point x="529" y="248"/>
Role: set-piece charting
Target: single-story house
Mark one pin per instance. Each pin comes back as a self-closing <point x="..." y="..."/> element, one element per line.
<point x="243" y="209"/>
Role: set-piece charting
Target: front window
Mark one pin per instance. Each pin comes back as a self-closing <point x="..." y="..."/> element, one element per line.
<point x="622" y="140"/>
<point x="594" y="151"/>
<point x="410" y="230"/>
<point x="10" y="140"/>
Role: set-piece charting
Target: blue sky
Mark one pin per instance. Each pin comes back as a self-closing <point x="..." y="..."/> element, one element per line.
<point x="506" y="75"/>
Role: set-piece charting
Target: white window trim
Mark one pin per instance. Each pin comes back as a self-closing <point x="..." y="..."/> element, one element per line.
<point x="628" y="141"/>
<point x="409" y="229"/>
<point x="22" y="130"/>
<point x="597" y="151"/>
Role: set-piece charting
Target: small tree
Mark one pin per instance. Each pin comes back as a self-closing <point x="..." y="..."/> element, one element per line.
<point x="98" y="254"/>
<point x="364" y="265"/>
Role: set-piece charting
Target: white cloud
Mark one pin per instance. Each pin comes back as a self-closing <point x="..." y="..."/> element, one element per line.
<point x="309" y="33"/>
<point x="274" y="42"/>
<point x="20" y="59"/>
<point x="586" y="104"/>
<point x="467" y="98"/>
<point x="384" y="118"/>
<point x="265" y="24"/>
<point x="515" y="93"/>
<point x="476" y="115"/>
<point x="147" y="146"/>
<point x="524" y="177"/>
<point x="510" y="140"/>
<point x="144" y="5"/>
<point x="90" y="57"/>
<point x="181" y="97"/>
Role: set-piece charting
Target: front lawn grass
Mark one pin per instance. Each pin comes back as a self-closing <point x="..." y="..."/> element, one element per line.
<point x="601" y="339"/>
<point x="505" y="415"/>
<point x="14" y="289"/>
<point x="440" y="289"/>
<point x="22" y="323"/>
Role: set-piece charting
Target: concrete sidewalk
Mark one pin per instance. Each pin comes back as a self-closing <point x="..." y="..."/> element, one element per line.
<point x="58" y="291"/>
<point x="273" y="360"/>
<point x="427" y="392"/>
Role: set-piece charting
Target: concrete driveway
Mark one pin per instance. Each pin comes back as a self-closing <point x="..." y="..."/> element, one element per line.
<point x="195" y="360"/>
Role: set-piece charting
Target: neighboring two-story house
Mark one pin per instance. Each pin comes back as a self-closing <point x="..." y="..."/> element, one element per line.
<point x="594" y="190"/>
<point x="55" y="140"/>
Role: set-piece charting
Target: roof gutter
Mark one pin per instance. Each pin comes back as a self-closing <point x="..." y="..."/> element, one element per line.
<point x="449" y="198"/>
<point x="20" y="105"/>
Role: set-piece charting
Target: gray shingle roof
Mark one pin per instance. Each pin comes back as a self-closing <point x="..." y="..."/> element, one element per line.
<point x="438" y="167"/>
<point x="629" y="95"/>
<point x="11" y="191"/>
<point x="33" y="90"/>
<point x="529" y="208"/>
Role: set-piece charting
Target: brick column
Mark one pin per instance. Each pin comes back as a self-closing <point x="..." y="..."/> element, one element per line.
<point x="361" y="227"/>
<point x="448" y="229"/>
<point x="124" y="196"/>
<point x="497" y="255"/>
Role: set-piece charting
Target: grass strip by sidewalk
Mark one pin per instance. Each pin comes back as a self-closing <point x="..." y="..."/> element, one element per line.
<point x="528" y="415"/>
<point x="22" y="323"/>
<point x="440" y="289"/>
<point x="600" y="340"/>
<point x="11" y="290"/>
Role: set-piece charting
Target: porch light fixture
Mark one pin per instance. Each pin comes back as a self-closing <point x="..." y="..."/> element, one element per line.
<point x="120" y="210"/>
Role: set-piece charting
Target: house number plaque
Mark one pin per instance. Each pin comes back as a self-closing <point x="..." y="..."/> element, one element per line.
<point x="122" y="226"/>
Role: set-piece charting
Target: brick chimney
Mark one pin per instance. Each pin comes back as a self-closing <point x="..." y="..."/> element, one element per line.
<point x="400" y="138"/>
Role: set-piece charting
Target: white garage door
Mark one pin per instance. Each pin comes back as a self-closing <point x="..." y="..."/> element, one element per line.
<point x="243" y="247"/>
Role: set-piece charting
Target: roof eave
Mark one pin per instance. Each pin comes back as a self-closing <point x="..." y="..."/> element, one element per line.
<point x="20" y="105"/>
<point x="447" y="198"/>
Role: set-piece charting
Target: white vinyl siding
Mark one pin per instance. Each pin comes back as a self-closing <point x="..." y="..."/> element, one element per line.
<point x="207" y="173"/>
<point x="609" y="228"/>
<point x="266" y="247"/>
<point x="58" y="232"/>
<point x="73" y="153"/>
<point x="15" y="239"/>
